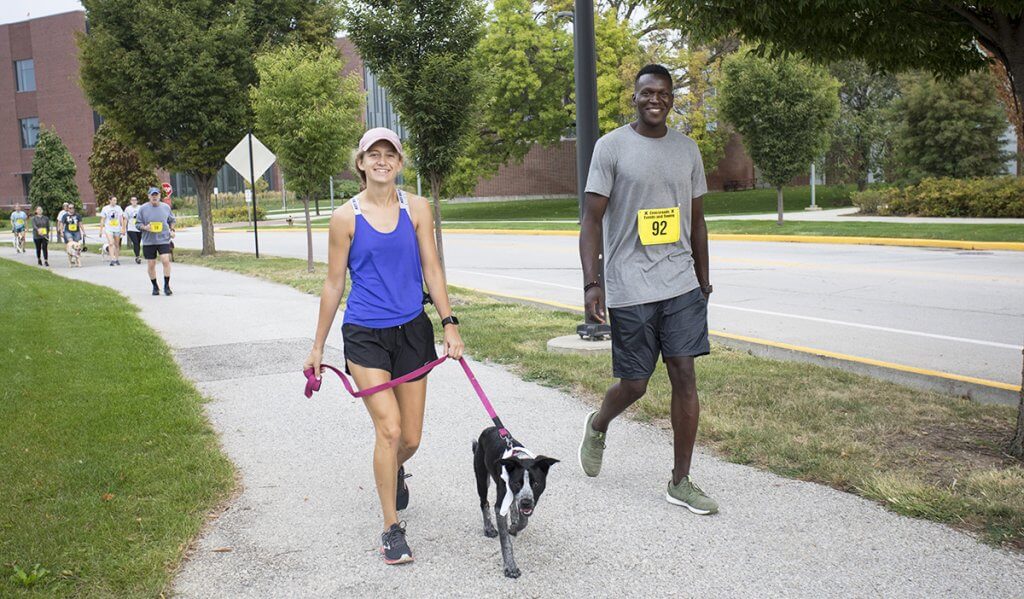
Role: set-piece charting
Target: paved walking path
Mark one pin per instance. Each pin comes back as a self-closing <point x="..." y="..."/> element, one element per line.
<point x="306" y="523"/>
<point x="848" y="215"/>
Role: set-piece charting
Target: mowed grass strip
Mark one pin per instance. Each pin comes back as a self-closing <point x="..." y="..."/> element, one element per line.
<point x="109" y="465"/>
<point x="921" y="454"/>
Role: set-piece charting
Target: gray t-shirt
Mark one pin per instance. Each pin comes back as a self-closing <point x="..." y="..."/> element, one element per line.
<point x="635" y="173"/>
<point x="159" y="214"/>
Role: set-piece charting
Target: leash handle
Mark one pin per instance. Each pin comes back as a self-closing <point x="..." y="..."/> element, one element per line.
<point x="313" y="383"/>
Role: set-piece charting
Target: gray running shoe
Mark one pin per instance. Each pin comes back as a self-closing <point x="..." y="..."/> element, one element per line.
<point x="591" y="448"/>
<point x="393" y="547"/>
<point x="690" y="496"/>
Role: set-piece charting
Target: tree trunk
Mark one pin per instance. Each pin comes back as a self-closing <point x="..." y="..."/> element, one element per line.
<point x="435" y="193"/>
<point x="862" y="183"/>
<point x="1016" y="448"/>
<point x="778" y="193"/>
<point x="309" y="235"/>
<point x="317" y="202"/>
<point x="204" y="187"/>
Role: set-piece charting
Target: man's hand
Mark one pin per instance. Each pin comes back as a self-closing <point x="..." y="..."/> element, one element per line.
<point x="593" y="303"/>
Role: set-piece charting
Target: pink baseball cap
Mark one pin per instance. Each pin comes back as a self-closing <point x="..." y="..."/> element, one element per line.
<point x="381" y="133"/>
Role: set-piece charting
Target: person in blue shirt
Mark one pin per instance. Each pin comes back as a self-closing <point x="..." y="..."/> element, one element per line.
<point x="385" y="239"/>
<point x="18" y="223"/>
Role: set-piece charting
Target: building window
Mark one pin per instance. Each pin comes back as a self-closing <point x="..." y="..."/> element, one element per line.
<point x="25" y="72"/>
<point x="29" y="132"/>
<point x="26" y="182"/>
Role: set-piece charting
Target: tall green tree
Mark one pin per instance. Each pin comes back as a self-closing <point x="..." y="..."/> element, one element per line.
<point x="309" y="116"/>
<point x="175" y="82"/>
<point x="53" y="175"/>
<point x="116" y="168"/>
<point x="423" y="54"/>
<point x="784" y="108"/>
<point x="948" y="128"/>
<point x="175" y="77"/>
<point x="941" y="36"/>
<point x="863" y="130"/>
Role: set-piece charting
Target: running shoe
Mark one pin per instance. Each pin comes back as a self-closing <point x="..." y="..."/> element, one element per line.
<point x="167" y="290"/>
<point x="138" y="260"/>
<point x="111" y="262"/>
<point x="402" y="497"/>
<point x="393" y="547"/>
<point x="690" y="496"/>
<point x="591" y="448"/>
<point x="156" y="291"/>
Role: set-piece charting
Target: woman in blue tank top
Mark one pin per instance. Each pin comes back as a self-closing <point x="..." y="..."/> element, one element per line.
<point x="384" y="239"/>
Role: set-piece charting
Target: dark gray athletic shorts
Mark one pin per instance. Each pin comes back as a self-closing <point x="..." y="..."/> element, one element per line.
<point x="398" y="350"/>
<point x="674" y="327"/>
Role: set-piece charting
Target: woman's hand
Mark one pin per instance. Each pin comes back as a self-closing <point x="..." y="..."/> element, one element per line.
<point x="453" y="344"/>
<point x="313" y="361"/>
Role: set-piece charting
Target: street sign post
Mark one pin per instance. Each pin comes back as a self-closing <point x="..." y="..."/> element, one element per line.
<point x="250" y="152"/>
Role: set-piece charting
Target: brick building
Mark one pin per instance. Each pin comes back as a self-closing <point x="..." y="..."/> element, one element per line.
<point x="41" y="89"/>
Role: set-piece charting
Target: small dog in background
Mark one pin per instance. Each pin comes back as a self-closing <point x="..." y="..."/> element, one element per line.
<point x="74" y="250"/>
<point x="520" y="478"/>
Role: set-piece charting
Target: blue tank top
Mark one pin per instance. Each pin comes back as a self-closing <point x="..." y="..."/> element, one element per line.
<point x="387" y="277"/>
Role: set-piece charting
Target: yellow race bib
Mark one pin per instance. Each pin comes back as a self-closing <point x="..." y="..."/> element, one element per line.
<point x="42" y="230"/>
<point x="72" y="227"/>
<point x="658" y="225"/>
<point x="156" y="227"/>
<point x="20" y="222"/>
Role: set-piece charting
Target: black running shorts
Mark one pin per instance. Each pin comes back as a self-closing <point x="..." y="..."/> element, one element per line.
<point x="675" y="327"/>
<point x="150" y="251"/>
<point x="398" y="350"/>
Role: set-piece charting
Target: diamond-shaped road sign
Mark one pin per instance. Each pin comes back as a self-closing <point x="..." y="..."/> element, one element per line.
<point x="262" y="157"/>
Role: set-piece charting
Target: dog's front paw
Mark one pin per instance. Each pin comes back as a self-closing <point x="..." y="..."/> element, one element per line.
<point x="513" y="530"/>
<point x="512" y="572"/>
<point x="490" y="532"/>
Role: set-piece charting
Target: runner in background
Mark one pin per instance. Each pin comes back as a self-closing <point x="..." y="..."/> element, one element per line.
<point x="112" y="225"/>
<point x="131" y="212"/>
<point x="40" y="236"/>
<point x="18" y="218"/>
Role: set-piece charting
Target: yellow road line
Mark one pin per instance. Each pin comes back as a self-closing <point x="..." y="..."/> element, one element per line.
<point x="791" y="347"/>
<point x="894" y="241"/>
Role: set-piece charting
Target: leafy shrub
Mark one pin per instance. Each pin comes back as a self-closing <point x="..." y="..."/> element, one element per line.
<point x="186" y="221"/>
<point x="870" y="201"/>
<point x="345" y="188"/>
<point x="989" y="197"/>
<point x="233" y="214"/>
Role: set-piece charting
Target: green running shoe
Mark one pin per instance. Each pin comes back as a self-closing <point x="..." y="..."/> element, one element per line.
<point x="691" y="497"/>
<point x="592" y="448"/>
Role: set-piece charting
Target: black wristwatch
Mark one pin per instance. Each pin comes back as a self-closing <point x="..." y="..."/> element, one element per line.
<point x="591" y="285"/>
<point x="450" y="320"/>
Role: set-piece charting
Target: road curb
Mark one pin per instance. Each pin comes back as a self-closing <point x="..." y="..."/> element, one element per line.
<point x="979" y="390"/>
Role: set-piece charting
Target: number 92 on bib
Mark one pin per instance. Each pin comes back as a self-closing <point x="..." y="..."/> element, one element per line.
<point x="658" y="225"/>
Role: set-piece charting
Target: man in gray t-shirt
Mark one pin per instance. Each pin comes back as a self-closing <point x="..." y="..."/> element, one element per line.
<point x="156" y="223"/>
<point x="644" y="212"/>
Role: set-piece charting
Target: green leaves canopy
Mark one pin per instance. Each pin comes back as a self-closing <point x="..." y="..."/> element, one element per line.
<point x="306" y="113"/>
<point x="784" y="109"/>
<point x="53" y="175"/>
<point x="116" y="168"/>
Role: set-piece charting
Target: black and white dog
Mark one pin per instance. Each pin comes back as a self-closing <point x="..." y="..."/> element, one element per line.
<point x="520" y="478"/>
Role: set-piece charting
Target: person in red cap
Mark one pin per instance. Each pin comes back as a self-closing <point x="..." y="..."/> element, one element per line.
<point x="384" y="237"/>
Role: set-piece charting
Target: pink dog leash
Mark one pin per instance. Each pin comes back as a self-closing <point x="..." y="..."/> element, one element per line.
<point x="313" y="384"/>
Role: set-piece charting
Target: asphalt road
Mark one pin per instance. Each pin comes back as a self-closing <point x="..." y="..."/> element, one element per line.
<point x="953" y="311"/>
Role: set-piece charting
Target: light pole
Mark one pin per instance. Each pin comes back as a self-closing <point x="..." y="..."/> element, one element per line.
<point x="587" y="132"/>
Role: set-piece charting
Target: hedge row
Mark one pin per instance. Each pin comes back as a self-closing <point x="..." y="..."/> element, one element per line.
<point x="990" y="197"/>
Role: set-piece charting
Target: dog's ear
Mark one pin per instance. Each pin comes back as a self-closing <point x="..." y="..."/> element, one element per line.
<point x="544" y="463"/>
<point x="510" y="463"/>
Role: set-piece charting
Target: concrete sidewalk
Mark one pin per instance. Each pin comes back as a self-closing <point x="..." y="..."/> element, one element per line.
<point x="849" y="215"/>
<point x="306" y="522"/>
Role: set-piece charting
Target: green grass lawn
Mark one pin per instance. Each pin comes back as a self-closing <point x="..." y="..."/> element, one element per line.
<point x="855" y="228"/>
<point x="918" y="453"/>
<point x="109" y="465"/>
